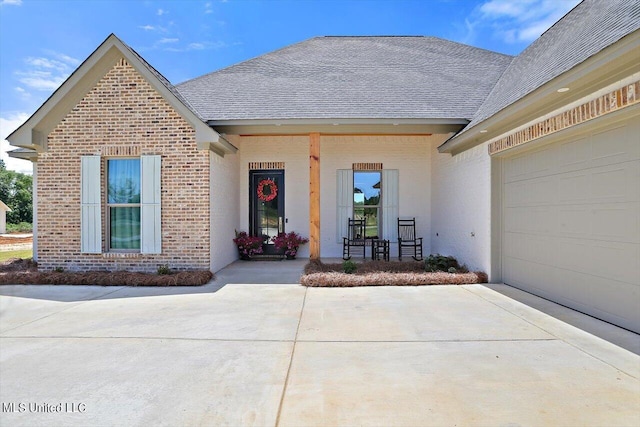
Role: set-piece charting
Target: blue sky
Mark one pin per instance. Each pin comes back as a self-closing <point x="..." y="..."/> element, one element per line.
<point x="43" y="41"/>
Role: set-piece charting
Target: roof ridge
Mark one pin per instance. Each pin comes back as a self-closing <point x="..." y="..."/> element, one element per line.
<point x="247" y="60"/>
<point x="373" y="36"/>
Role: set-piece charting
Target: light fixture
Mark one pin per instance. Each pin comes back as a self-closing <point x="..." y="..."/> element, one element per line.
<point x="563" y="89"/>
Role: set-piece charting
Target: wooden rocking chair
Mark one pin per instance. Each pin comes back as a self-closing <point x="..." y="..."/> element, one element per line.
<point x="407" y="240"/>
<point x="355" y="238"/>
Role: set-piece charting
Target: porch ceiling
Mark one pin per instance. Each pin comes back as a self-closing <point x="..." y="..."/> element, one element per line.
<point x="339" y="126"/>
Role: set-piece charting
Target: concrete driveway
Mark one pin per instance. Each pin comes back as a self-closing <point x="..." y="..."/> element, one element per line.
<point x="257" y="354"/>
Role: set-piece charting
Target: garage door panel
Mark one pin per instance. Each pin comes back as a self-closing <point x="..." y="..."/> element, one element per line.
<point x="621" y="298"/>
<point x="539" y="163"/>
<point x="535" y="249"/>
<point x="610" y="184"/>
<point x="532" y="220"/>
<point x="607" y="299"/>
<point x="534" y="192"/>
<point x="571" y="221"/>
<point x="616" y="222"/>
<point x="574" y="155"/>
<point x="574" y="188"/>
<point x="574" y="221"/>
<point x="618" y="261"/>
<point x="614" y="146"/>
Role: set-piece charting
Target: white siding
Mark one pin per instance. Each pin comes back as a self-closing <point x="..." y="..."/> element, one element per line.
<point x="461" y="206"/>
<point x="224" y="206"/>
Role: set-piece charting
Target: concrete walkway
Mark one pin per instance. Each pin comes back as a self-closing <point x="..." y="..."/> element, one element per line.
<point x="238" y="352"/>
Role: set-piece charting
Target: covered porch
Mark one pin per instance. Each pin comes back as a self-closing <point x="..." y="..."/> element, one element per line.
<point x="379" y="172"/>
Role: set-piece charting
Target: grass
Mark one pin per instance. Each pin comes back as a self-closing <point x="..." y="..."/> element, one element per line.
<point x="23" y="227"/>
<point x="381" y="273"/>
<point x="24" y="254"/>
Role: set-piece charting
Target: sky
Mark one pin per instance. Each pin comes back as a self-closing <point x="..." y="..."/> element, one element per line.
<point x="43" y="41"/>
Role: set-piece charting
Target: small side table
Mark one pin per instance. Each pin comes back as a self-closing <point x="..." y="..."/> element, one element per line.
<point x="380" y="250"/>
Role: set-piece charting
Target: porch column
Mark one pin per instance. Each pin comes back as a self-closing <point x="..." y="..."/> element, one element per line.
<point x="314" y="195"/>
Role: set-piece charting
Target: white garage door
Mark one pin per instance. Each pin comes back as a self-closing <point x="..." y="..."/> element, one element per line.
<point x="571" y="221"/>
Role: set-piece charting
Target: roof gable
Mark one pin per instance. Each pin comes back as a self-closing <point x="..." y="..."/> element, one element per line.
<point x="33" y="133"/>
<point x="351" y="78"/>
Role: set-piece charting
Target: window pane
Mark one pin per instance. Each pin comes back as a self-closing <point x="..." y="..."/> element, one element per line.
<point x="124" y="180"/>
<point x="371" y="217"/>
<point x="366" y="188"/>
<point x="125" y="228"/>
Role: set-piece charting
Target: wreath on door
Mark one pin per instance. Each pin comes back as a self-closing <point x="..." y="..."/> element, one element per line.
<point x="273" y="190"/>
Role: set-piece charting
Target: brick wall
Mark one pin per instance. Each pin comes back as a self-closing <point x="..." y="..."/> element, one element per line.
<point x="123" y="115"/>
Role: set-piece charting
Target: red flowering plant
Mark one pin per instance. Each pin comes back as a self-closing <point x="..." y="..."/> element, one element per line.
<point x="290" y="242"/>
<point x="248" y="245"/>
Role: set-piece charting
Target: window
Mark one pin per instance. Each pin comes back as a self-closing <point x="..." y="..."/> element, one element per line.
<point x="366" y="201"/>
<point x="372" y="195"/>
<point x="133" y="205"/>
<point x="123" y="204"/>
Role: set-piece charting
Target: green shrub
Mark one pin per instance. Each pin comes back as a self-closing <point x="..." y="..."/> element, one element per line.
<point x="439" y="262"/>
<point x="59" y="269"/>
<point x="23" y="227"/>
<point x="164" y="269"/>
<point x="349" y="267"/>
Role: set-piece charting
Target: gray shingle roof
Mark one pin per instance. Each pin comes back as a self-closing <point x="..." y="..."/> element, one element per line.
<point x="351" y="77"/>
<point x="584" y="31"/>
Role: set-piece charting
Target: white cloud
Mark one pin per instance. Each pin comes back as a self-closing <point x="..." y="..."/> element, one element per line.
<point x="168" y="40"/>
<point x="11" y="2"/>
<point x="523" y="20"/>
<point x="45" y="73"/>
<point x="205" y="45"/>
<point x="208" y="8"/>
<point x="161" y="12"/>
<point x="7" y="125"/>
<point x="147" y="27"/>
<point x="518" y="21"/>
<point x="47" y="63"/>
<point x="64" y="58"/>
<point x="196" y="46"/>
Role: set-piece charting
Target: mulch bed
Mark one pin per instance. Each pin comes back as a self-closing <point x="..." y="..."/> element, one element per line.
<point x="17" y="271"/>
<point x="381" y="273"/>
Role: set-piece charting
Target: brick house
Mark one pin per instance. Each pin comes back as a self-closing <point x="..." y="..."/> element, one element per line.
<point x="526" y="167"/>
